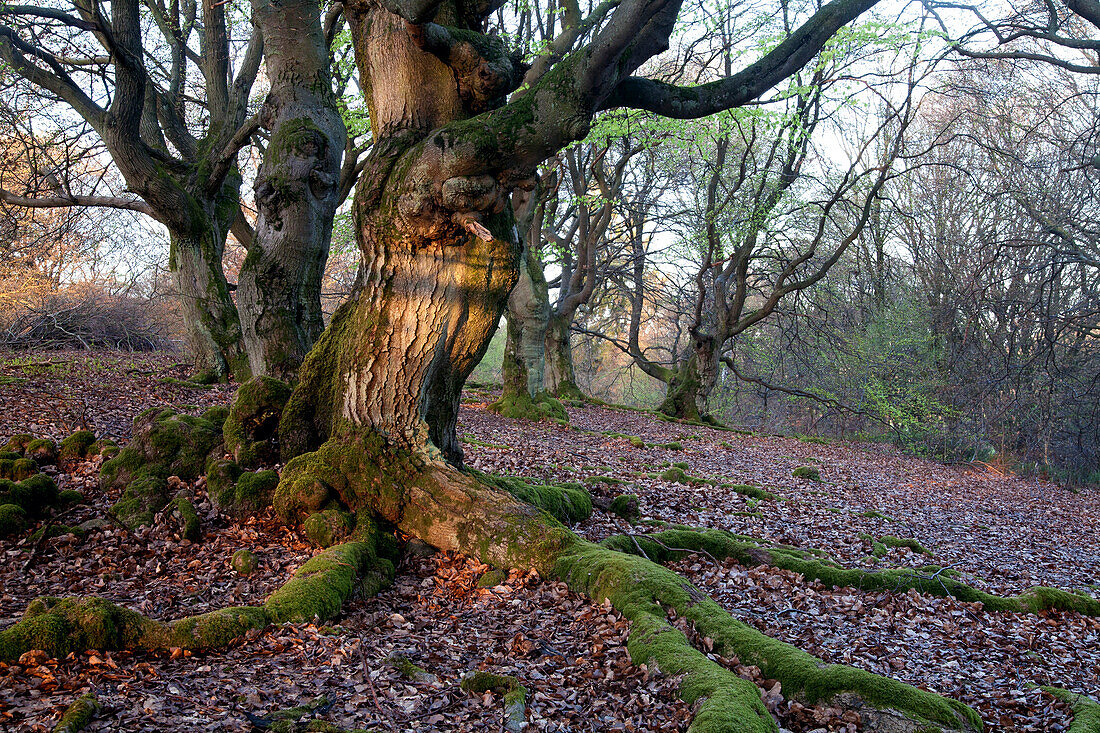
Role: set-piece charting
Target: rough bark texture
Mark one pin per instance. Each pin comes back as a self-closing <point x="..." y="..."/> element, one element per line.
<point x="561" y="380"/>
<point x="211" y="324"/>
<point x="691" y="383"/>
<point x="296" y="192"/>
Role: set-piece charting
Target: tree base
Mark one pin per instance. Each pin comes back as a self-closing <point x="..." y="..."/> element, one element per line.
<point x="522" y="406"/>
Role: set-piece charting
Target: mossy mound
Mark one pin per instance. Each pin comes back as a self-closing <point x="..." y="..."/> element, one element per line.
<point x="244" y="562"/>
<point x="491" y="578"/>
<point x="523" y="406"/>
<point x="810" y="473"/>
<point x="252" y="424"/>
<point x="18" y="469"/>
<point x="78" y="445"/>
<point x="34" y="495"/>
<point x="316" y="591"/>
<point x="8" y="455"/>
<point x="18" y="443"/>
<point x="104" y="447"/>
<point x="329" y="527"/>
<point x="240" y="494"/>
<point x="70" y="496"/>
<point x="13" y="520"/>
<point x="165" y="443"/>
<point x="43" y="451"/>
<point x="625" y="506"/>
<point x="142" y="498"/>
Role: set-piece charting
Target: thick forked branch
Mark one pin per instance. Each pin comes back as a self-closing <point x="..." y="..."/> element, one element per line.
<point x="785" y="59"/>
<point x="414" y="11"/>
<point x="228" y="155"/>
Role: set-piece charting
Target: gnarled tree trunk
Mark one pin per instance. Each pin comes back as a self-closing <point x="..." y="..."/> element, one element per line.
<point x="561" y="380"/>
<point x="296" y="191"/>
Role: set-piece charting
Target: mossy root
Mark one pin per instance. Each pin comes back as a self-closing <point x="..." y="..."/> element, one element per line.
<point x="1086" y="711"/>
<point x="78" y="715"/>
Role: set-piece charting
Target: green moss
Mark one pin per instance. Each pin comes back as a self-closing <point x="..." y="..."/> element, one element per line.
<point x="34" y="495"/>
<point x="251" y="427"/>
<point x="70" y="496"/>
<point x="7" y="455"/>
<point x="43" y="451"/>
<point x="17" y="470"/>
<point x="77" y="445"/>
<point x="59" y="626"/>
<point x="216" y="629"/>
<point x="625" y="506"/>
<point x="566" y="502"/>
<point x="244" y="561"/>
<point x="1086" y="711"/>
<point x="78" y="715"/>
<point x="141" y="500"/>
<point x="634" y="440"/>
<point x="184" y="510"/>
<point x="320" y="587"/>
<point x="491" y="579"/>
<point x="811" y="473"/>
<point x="409" y="670"/>
<point x="165" y="443"/>
<point x="521" y="406"/>
<point x="252" y="492"/>
<point x="871" y="514"/>
<point x="669" y="446"/>
<point x="912" y="544"/>
<point x="754" y="492"/>
<point x="13" y="520"/>
<point x="611" y="480"/>
<point x="644" y="592"/>
<point x="56" y="530"/>
<point x="17" y="443"/>
<point x="328" y="527"/>
<point x="746" y="551"/>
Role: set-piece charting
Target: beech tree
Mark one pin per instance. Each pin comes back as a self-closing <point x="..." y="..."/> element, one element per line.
<point x="175" y="140"/>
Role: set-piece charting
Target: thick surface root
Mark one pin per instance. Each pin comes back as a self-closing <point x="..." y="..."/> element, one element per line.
<point x="1086" y="711"/>
<point x="662" y="546"/>
<point x="455" y="511"/>
<point x="316" y="591"/>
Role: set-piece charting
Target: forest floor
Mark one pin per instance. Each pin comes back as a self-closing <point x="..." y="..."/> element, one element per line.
<point x="1003" y="534"/>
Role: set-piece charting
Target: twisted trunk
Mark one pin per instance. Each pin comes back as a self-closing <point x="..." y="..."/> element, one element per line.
<point x="296" y="192"/>
<point x="690" y="385"/>
<point x="561" y="380"/>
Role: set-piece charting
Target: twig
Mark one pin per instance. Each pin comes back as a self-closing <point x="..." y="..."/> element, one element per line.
<point x="370" y="684"/>
<point x="701" y="551"/>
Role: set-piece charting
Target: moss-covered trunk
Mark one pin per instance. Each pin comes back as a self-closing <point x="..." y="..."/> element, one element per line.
<point x="690" y="385"/>
<point x="211" y="325"/>
<point x="528" y="314"/>
<point x="296" y="192"/>
<point x="561" y="380"/>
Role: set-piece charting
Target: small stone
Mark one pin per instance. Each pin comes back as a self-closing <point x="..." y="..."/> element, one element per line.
<point x="245" y="561"/>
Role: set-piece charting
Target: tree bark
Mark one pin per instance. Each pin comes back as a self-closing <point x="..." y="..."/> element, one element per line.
<point x="296" y="192"/>
<point x="528" y="313"/>
<point x="561" y="380"/>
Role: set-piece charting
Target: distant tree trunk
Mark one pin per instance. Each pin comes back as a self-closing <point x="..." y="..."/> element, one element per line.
<point x="690" y="385"/>
<point x="211" y="325"/>
<point x="561" y="380"/>
<point x="528" y="312"/>
<point x="296" y="192"/>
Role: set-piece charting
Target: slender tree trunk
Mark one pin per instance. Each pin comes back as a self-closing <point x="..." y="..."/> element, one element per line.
<point x="561" y="380"/>
<point x="528" y="313"/>
<point x="296" y="192"/>
<point x="211" y="325"/>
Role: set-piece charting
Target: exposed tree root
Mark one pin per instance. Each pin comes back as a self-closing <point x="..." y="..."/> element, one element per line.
<point x="1086" y="711"/>
<point x="317" y="590"/>
<point x="78" y="715"/>
<point x="455" y="511"/>
<point x="747" y="551"/>
<point x="522" y="406"/>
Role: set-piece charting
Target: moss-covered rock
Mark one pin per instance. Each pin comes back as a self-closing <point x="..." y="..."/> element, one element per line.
<point x="625" y="506"/>
<point x="17" y="443"/>
<point x="35" y="494"/>
<point x="184" y="513"/>
<point x="240" y="494"/>
<point x="13" y="520"/>
<point x="43" y="451"/>
<point x="491" y="578"/>
<point x="329" y="527"/>
<point x="810" y="473"/>
<point x="252" y="425"/>
<point x="141" y="500"/>
<point x="17" y="470"/>
<point x="104" y="447"/>
<point x="78" y="715"/>
<point x="524" y="407"/>
<point x="8" y="455"/>
<point x="244" y="561"/>
<point x="70" y="496"/>
<point x="513" y="693"/>
<point x="77" y="445"/>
